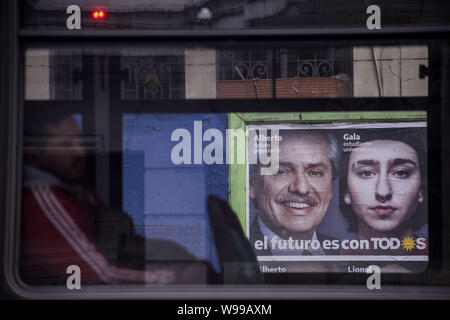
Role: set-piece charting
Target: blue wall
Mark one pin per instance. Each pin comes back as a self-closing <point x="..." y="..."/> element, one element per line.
<point x="165" y="200"/>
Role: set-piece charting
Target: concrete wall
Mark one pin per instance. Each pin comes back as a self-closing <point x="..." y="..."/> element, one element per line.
<point x="200" y="73"/>
<point x="398" y="71"/>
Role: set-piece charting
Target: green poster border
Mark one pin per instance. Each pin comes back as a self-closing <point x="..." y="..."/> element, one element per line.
<point x="237" y="176"/>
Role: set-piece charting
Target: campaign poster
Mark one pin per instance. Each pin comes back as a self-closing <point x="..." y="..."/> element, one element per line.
<point x="338" y="197"/>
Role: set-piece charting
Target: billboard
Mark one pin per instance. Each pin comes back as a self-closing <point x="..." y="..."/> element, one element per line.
<point x="337" y="196"/>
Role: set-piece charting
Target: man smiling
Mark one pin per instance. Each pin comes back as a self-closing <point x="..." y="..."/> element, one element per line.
<point x="292" y="202"/>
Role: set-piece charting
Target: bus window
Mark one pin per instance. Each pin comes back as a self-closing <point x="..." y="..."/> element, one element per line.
<point x="153" y="170"/>
<point x="241" y="148"/>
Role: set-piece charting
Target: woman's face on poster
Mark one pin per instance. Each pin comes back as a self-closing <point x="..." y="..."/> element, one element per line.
<point x="384" y="184"/>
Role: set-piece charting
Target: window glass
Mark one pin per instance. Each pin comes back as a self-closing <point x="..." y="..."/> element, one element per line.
<point x="135" y="172"/>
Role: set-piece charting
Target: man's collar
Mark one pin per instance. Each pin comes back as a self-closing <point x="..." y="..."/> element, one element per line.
<point x="266" y="232"/>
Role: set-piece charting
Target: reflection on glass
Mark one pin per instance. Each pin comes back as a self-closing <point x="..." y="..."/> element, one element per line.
<point x="102" y="189"/>
<point x="154" y="76"/>
<point x="244" y="74"/>
<point x="208" y="73"/>
<point x="65" y="224"/>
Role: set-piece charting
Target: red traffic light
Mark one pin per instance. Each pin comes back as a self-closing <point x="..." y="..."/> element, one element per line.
<point x="99" y="14"/>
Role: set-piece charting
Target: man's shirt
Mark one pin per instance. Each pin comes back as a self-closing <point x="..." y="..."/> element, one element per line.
<point x="266" y="232"/>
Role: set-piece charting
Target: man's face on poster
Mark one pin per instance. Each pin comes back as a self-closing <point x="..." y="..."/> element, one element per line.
<point x="296" y="198"/>
<point x="384" y="184"/>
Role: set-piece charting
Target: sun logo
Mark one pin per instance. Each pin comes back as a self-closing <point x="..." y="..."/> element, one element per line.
<point x="408" y="243"/>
